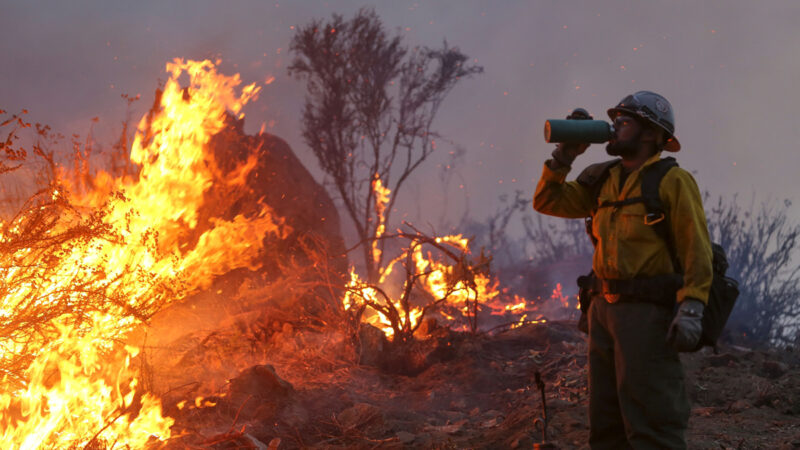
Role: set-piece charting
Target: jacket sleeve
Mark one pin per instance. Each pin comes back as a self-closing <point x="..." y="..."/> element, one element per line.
<point x="556" y="197"/>
<point x="689" y="233"/>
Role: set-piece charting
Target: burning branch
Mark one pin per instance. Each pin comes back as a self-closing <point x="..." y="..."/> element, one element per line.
<point x="429" y="284"/>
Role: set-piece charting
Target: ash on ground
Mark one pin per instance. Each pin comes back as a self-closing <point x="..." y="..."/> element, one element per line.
<point x="262" y="383"/>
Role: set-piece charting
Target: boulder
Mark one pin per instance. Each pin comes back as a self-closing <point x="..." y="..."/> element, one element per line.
<point x="313" y="241"/>
<point x="371" y="345"/>
<point x="258" y="392"/>
<point x="261" y="383"/>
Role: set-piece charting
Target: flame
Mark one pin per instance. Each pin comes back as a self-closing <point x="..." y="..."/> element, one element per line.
<point x="434" y="276"/>
<point x="80" y="403"/>
<point x="516" y="306"/>
<point x="80" y="384"/>
<point x="177" y="170"/>
<point x="436" y="282"/>
<point x="558" y="295"/>
<point x="381" y="200"/>
<point x="358" y="293"/>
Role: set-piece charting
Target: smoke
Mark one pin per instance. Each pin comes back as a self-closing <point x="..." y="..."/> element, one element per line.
<point x="726" y="68"/>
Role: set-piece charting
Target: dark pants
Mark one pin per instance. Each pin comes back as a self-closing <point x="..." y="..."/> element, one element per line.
<point x="637" y="394"/>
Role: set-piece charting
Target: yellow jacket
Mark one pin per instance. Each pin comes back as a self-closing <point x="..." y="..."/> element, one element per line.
<point x="626" y="247"/>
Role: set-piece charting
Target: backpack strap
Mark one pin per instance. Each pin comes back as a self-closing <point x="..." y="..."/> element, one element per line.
<point x="656" y="212"/>
<point x="651" y="180"/>
<point x="593" y="177"/>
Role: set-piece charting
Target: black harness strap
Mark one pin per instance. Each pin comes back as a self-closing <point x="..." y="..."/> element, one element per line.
<point x="656" y="213"/>
<point x="618" y="203"/>
<point x="594" y="177"/>
<point x="651" y="180"/>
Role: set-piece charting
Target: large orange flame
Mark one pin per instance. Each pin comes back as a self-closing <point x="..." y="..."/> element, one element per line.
<point x="75" y="389"/>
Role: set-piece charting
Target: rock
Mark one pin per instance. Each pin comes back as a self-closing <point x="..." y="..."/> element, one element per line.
<point x="360" y="415"/>
<point x="557" y="403"/>
<point x="405" y="358"/>
<point x="774" y="369"/>
<point x="739" y="406"/>
<point x="453" y="416"/>
<point x="242" y="441"/>
<point x="705" y="411"/>
<point x="255" y="443"/>
<point x="424" y="440"/>
<point x="722" y="360"/>
<point x="489" y="423"/>
<point x="405" y="437"/>
<point x="453" y="428"/>
<point x="294" y="415"/>
<point x="522" y="441"/>
<point x="258" y="391"/>
<point x="372" y="344"/>
<point x="428" y="326"/>
<point x="443" y="351"/>
<point x="492" y="413"/>
<point x="280" y="181"/>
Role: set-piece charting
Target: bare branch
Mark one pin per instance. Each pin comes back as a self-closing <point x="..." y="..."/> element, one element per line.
<point x="369" y="100"/>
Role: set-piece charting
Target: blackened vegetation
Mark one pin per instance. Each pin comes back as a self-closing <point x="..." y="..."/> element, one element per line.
<point x="762" y="243"/>
<point x="12" y="152"/>
<point x="369" y="110"/>
<point x="547" y="241"/>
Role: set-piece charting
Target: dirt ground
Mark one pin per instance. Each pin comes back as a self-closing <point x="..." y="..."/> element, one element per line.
<point x="299" y="388"/>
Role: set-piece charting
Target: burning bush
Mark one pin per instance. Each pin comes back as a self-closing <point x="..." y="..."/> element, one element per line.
<point x="83" y="264"/>
<point x="451" y="281"/>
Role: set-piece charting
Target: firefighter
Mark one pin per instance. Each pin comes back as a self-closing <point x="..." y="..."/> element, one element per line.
<point x="636" y="381"/>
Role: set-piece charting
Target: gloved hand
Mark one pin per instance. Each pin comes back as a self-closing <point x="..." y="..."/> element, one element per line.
<point x="687" y="326"/>
<point x="565" y="153"/>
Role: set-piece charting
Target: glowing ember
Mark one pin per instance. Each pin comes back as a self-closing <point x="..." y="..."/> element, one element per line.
<point x="79" y="387"/>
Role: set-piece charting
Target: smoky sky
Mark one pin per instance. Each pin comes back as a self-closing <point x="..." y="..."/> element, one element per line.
<point x="730" y="69"/>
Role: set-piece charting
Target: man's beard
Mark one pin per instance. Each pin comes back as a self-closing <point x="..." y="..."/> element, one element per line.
<point x="624" y="149"/>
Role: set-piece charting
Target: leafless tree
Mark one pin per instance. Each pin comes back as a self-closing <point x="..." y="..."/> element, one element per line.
<point x="761" y="245"/>
<point x="369" y="111"/>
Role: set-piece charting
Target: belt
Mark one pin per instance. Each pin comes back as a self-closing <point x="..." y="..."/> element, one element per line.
<point x="659" y="289"/>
